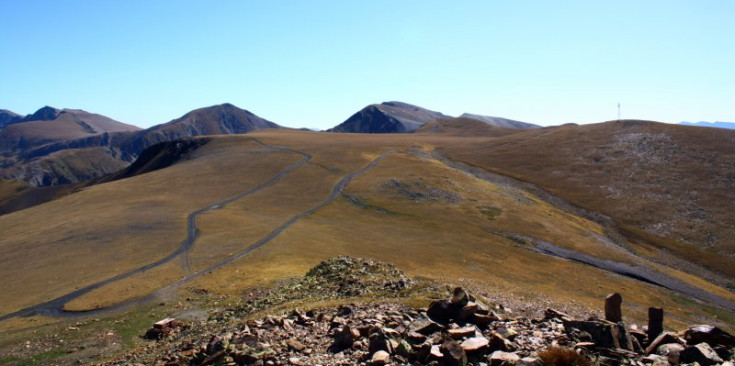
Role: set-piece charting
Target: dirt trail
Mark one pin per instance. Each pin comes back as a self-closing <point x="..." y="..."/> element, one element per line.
<point x="640" y="271"/>
<point x="191" y="231"/>
<point x="55" y="308"/>
<point x="336" y="192"/>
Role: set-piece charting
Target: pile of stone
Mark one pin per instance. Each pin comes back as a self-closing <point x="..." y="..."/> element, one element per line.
<point x="610" y="341"/>
<point x="456" y="331"/>
<point x="339" y="277"/>
<point x="459" y="330"/>
<point x="346" y="277"/>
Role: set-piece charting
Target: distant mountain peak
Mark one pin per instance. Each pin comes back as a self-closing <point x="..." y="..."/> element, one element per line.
<point x="224" y="107"/>
<point x="388" y="117"/>
<point x="717" y="124"/>
<point x="398" y="104"/>
<point x="7" y="117"/>
<point x="46" y="113"/>
<point x="219" y="119"/>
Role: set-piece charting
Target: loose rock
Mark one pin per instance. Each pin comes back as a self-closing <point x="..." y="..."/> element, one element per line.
<point x="613" y="312"/>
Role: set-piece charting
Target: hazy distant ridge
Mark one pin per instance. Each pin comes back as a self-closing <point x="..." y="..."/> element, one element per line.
<point x="499" y="121"/>
<point x="727" y="125"/>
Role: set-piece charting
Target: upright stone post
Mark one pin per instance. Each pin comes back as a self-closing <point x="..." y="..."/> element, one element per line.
<point x="612" y="307"/>
<point x="655" y="323"/>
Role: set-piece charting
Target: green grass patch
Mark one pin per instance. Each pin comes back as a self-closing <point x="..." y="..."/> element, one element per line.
<point x="7" y="360"/>
<point x="133" y="325"/>
<point x="43" y="357"/>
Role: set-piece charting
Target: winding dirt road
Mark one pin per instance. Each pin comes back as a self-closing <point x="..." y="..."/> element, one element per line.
<point x="640" y="271"/>
<point x="55" y="307"/>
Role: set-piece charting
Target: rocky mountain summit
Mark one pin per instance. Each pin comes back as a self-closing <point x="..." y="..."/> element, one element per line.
<point x="458" y="330"/>
<point x="222" y="119"/>
<point x="399" y="117"/>
<point x="387" y="117"/>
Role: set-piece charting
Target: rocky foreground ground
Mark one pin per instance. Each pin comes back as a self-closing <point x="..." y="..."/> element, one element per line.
<point x="459" y="330"/>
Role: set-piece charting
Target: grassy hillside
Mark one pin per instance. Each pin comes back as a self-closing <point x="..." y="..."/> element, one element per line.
<point x="668" y="188"/>
<point x="111" y="228"/>
<point x="408" y="205"/>
<point x="464" y="127"/>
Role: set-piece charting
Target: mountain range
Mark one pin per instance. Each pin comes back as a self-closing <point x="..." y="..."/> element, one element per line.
<point x="55" y="147"/>
<point x="220" y="211"/>
<point x="399" y="117"/>
<point x="52" y="146"/>
<point x="726" y="125"/>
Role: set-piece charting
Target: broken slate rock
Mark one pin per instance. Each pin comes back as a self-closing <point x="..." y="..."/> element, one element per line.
<point x="380" y="358"/>
<point x="346" y="337"/>
<point x="672" y="351"/>
<point x="425" y="326"/>
<point x="663" y="338"/>
<point x="440" y="311"/>
<point x="460" y="298"/>
<point x="713" y="336"/>
<point x="701" y="353"/>
<point x="453" y="353"/>
<point x="460" y="333"/>
<point x="295" y="345"/>
<point x="501" y="358"/>
<point x="475" y="344"/>
<point x="468" y="311"/>
<point x="602" y="332"/>
<point x="613" y="312"/>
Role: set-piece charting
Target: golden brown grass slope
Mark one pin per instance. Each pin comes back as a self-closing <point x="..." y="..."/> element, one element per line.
<point x="668" y="188"/>
<point x="412" y="208"/>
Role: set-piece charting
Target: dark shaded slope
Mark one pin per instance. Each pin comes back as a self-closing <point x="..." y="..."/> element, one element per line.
<point x="18" y="196"/>
<point x="7" y="117"/>
<point x="223" y="119"/>
<point x="158" y="156"/>
<point x="387" y="117"/>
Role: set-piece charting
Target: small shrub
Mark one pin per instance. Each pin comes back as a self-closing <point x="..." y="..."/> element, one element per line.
<point x="561" y="356"/>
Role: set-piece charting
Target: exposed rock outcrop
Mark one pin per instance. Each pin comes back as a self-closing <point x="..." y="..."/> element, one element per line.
<point x="387" y="117"/>
<point x="447" y="333"/>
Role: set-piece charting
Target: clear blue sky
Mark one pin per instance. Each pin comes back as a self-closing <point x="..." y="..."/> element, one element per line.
<point x="314" y="63"/>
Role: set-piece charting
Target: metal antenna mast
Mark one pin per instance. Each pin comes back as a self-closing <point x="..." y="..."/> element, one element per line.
<point x="618" y="111"/>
